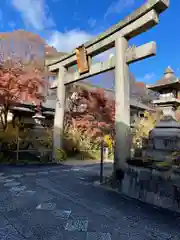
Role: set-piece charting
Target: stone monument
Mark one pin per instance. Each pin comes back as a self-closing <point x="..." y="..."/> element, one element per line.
<point x="164" y="139"/>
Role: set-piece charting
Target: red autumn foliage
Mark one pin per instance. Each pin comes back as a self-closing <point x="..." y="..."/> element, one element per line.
<point x="22" y="74"/>
<point x="97" y="119"/>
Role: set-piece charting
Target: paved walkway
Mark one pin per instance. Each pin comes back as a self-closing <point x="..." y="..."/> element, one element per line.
<point x="94" y="165"/>
<point x="62" y="203"/>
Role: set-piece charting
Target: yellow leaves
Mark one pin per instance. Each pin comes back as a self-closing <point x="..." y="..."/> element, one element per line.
<point x="9" y="133"/>
<point x="108" y="141"/>
<point x="80" y="139"/>
<point x="144" y="125"/>
<point x="60" y="155"/>
<point x="146" y="114"/>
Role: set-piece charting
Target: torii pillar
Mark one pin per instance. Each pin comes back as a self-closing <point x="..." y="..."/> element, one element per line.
<point x="122" y="103"/>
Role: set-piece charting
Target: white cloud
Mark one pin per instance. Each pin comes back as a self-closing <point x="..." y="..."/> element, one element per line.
<point x="148" y="78"/>
<point x="68" y="40"/>
<point x="34" y="13"/>
<point x="92" y="22"/>
<point x="118" y="6"/>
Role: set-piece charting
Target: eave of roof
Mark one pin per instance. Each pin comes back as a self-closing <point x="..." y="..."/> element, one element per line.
<point x="170" y="84"/>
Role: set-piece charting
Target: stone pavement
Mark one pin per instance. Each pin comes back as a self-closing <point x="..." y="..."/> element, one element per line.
<point x="93" y="165"/>
<point x="62" y="203"/>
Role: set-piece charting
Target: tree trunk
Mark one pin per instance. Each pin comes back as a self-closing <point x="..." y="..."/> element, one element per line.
<point x="3" y="117"/>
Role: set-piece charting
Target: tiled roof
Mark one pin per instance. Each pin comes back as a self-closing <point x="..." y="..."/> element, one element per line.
<point x="169" y="80"/>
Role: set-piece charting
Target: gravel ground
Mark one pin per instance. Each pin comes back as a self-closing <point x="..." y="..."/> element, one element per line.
<point x="61" y="202"/>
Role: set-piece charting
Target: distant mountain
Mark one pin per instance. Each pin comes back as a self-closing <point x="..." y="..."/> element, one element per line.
<point x="21" y="35"/>
<point x="139" y="91"/>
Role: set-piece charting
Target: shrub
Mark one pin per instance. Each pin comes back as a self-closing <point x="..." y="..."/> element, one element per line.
<point x="60" y="155"/>
<point x="77" y="141"/>
<point x="162" y="166"/>
<point x="143" y="127"/>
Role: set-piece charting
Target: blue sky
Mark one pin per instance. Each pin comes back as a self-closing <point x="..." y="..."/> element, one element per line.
<point x="66" y="24"/>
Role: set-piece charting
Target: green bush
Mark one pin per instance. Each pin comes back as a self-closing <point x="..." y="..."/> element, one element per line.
<point x="60" y="155"/>
<point x="162" y="166"/>
<point x="78" y="143"/>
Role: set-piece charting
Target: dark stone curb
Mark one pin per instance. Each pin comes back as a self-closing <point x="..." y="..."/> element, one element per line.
<point x="136" y="201"/>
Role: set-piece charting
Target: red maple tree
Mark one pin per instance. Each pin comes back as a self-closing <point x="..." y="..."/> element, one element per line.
<point x="23" y="77"/>
<point x="92" y="114"/>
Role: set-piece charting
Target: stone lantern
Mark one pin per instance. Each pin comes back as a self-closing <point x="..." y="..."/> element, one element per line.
<point x="164" y="139"/>
<point x="38" y="118"/>
<point x="38" y="132"/>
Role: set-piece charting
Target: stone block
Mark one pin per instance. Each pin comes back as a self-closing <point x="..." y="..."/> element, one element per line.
<point x="149" y="197"/>
<point x="151" y="187"/>
<point x="157" y="154"/>
<point x="145" y="175"/>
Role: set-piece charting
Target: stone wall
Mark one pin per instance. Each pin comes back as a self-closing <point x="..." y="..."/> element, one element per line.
<point x="151" y="186"/>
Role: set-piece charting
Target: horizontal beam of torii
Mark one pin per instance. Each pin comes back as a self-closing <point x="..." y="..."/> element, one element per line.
<point x="134" y="24"/>
<point x="133" y="54"/>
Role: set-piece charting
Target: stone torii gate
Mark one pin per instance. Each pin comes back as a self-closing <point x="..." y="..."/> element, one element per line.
<point x="117" y="36"/>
